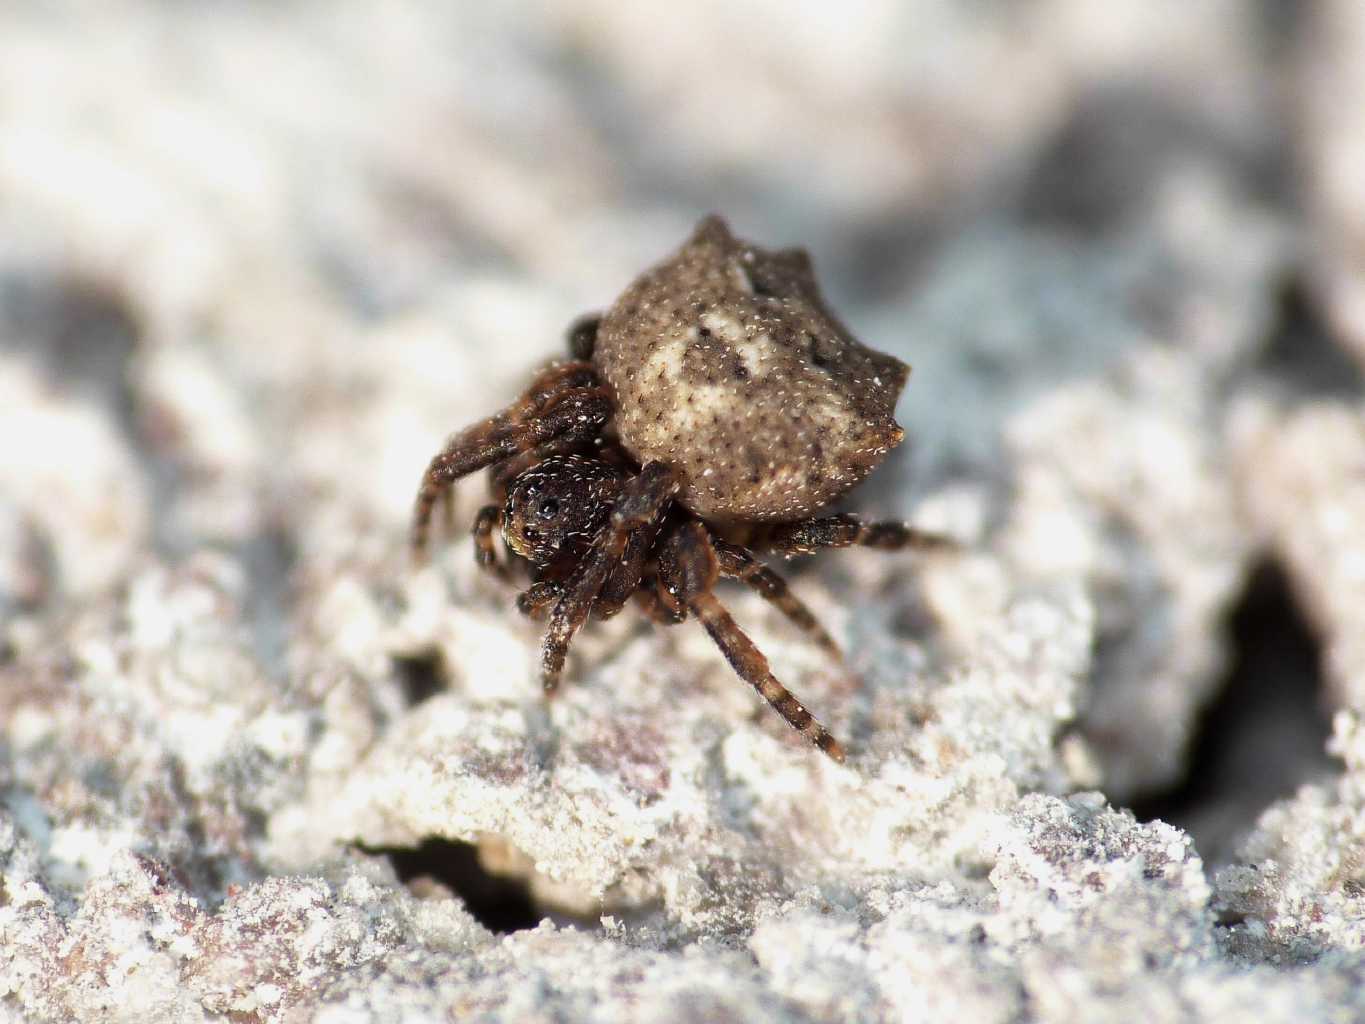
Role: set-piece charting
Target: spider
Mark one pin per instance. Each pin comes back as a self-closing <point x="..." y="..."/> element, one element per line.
<point x="706" y="417"/>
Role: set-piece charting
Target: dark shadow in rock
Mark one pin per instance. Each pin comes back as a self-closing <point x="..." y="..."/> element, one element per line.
<point x="1265" y="734"/>
<point x="82" y="335"/>
<point x="501" y="904"/>
<point x="1108" y="160"/>
<point x="269" y="558"/>
<point x="421" y="674"/>
<point x="1301" y="356"/>
<point x="875" y="260"/>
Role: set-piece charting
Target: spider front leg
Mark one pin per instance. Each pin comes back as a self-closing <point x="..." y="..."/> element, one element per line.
<point x="625" y="578"/>
<point x="500" y="476"/>
<point x="846" y="531"/>
<point x="564" y="402"/>
<point x="639" y="505"/>
<point x="654" y="607"/>
<point x="535" y="601"/>
<point x="689" y="567"/>
<point x="485" y="530"/>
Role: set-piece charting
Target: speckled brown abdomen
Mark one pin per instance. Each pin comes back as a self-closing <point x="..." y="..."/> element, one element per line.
<point x="727" y="366"/>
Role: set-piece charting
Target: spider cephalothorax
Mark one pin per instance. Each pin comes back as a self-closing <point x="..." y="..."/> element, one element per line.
<point x="716" y="401"/>
<point x="555" y="509"/>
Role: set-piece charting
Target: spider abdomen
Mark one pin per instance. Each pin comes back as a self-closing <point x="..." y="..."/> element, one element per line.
<point x="726" y="364"/>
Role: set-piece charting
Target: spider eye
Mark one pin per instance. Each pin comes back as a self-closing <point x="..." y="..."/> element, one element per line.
<point x="549" y="508"/>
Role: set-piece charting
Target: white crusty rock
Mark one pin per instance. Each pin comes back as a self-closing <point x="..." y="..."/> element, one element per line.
<point x="1298" y="890"/>
<point x="1302" y="480"/>
<point x="1330" y="143"/>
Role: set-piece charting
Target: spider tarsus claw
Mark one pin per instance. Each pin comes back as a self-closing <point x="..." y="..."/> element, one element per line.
<point x="830" y="746"/>
<point x="940" y="542"/>
<point x="551" y="668"/>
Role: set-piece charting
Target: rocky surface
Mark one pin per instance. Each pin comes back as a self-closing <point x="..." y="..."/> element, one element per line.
<point x="1329" y="84"/>
<point x="255" y="263"/>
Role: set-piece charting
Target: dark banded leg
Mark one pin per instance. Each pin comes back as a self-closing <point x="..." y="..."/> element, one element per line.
<point x="739" y="563"/>
<point x="624" y="578"/>
<point x="669" y="600"/>
<point x="689" y="567"/>
<point x="578" y="413"/>
<point x="751" y="666"/>
<point x="549" y="386"/>
<point x="486" y="525"/>
<point x="638" y="506"/>
<point x="447" y="506"/>
<point x="582" y="336"/>
<point x="654" y="608"/>
<point x="535" y="600"/>
<point x="846" y="531"/>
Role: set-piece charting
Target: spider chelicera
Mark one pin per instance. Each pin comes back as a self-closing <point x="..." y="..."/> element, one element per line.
<point x="705" y="418"/>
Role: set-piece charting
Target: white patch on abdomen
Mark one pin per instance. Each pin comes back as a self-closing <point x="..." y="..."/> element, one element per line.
<point x="753" y="352"/>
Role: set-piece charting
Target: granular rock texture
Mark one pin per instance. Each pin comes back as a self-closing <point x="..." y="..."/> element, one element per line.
<point x="1330" y="87"/>
<point x="1301" y="474"/>
<point x="257" y="260"/>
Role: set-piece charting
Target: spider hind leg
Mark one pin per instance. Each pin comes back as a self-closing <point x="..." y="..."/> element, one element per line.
<point x="845" y="531"/>
<point x="689" y="567"/>
<point x="739" y="563"/>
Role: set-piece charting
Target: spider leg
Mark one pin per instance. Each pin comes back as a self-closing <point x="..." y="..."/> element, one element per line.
<point x="625" y="576"/>
<point x="577" y="413"/>
<point x="739" y="563"/>
<point x="582" y="336"/>
<point x="535" y="600"/>
<point x="548" y="385"/>
<point x="669" y="599"/>
<point x="445" y="501"/>
<point x="486" y="524"/>
<point x="846" y="531"/>
<point x="655" y="608"/>
<point x="551" y="383"/>
<point x="690" y="567"/>
<point x="638" y="506"/>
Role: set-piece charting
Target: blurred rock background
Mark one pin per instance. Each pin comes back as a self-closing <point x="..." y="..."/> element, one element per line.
<point x="256" y="260"/>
